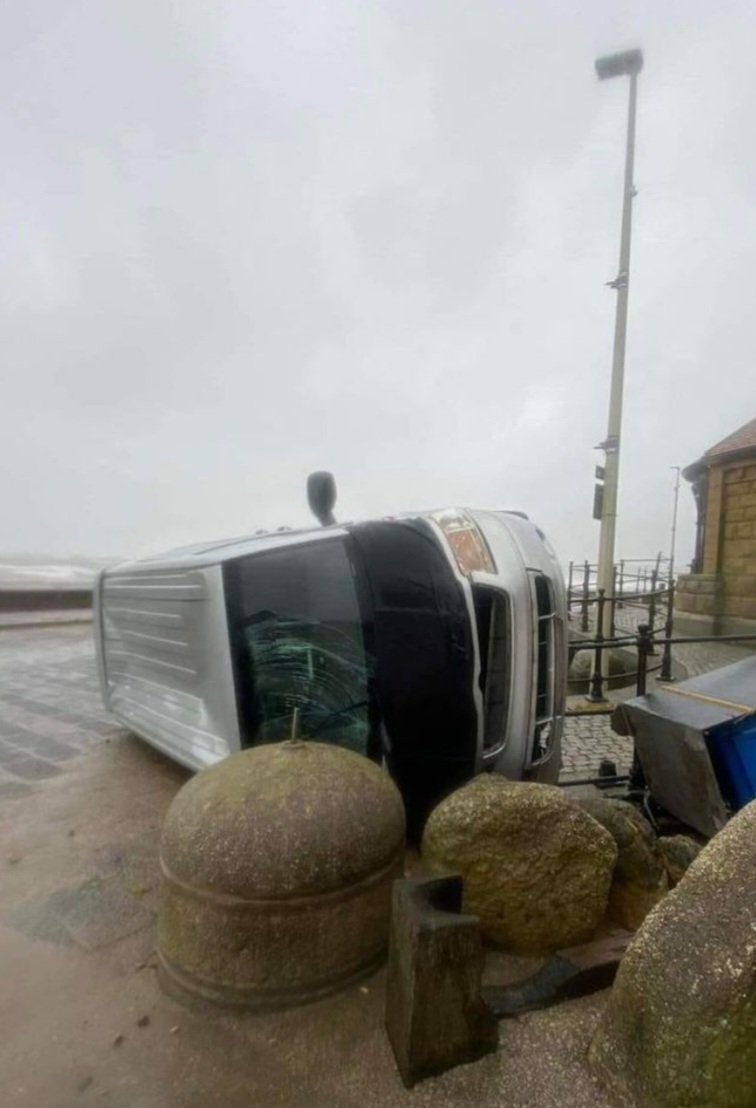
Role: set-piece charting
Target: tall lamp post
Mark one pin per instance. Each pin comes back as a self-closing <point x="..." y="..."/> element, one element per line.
<point x="627" y="64"/>
<point x="673" y="536"/>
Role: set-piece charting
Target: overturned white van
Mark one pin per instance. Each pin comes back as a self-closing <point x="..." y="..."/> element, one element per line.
<point x="434" y="643"/>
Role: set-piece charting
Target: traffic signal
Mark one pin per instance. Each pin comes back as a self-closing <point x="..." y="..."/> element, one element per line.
<point x="598" y="493"/>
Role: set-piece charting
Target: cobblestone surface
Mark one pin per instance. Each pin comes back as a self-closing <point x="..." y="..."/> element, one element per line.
<point x="50" y="709"/>
<point x="589" y="739"/>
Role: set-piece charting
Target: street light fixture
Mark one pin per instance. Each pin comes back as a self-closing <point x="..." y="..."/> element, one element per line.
<point x="627" y="64"/>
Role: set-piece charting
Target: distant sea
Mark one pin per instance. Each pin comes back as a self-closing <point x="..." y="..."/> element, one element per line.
<point x="37" y="571"/>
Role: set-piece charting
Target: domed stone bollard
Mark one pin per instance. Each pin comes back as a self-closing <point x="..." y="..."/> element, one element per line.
<point x="277" y="868"/>
<point x="679" y="1027"/>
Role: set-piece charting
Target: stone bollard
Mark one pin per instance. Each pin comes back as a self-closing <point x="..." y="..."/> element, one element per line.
<point x="680" y="1024"/>
<point x="277" y="866"/>
<point x="537" y="868"/>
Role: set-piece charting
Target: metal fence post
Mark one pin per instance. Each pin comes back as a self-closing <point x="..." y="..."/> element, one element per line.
<point x="569" y="588"/>
<point x="665" y="674"/>
<point x="597" y="683"/>
<point x="613" y="602"/>
<point x="621" y="581"/>
<point x="645" y="644"/>
<point x="652" y="606"/>
<point x="584" y="605"/>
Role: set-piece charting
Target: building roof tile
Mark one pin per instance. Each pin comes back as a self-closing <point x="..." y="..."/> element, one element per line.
<point x="742" y="439"/>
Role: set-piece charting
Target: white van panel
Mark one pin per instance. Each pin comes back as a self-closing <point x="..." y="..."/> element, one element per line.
<point x="165" y="663"/>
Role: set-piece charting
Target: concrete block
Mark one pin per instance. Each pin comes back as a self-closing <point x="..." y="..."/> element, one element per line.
<point x="741" y="607"/>
<point x="435" y="1016"/>
<point x="740" y="584"/>
<point x="688" y="623"/>
<point x="737" y="566"/>
<point x="735" y="548"/>
<point x="684" y="602"/>
<point x="694" y="583"/>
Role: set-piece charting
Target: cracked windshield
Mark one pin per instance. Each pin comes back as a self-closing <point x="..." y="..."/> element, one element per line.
<point x="304" y="665"/>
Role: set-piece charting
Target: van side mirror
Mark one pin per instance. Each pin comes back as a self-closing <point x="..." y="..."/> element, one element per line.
<point x="321" y="496"/>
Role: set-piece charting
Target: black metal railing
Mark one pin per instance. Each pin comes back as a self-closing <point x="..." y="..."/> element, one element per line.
<point x="642" y="584"/>
<point x="644" y="641"/>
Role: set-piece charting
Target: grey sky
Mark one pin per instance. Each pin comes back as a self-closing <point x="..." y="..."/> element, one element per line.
<point x="246" y="240"/>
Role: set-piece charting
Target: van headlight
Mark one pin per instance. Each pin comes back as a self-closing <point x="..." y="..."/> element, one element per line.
<point x="466" y="540"/>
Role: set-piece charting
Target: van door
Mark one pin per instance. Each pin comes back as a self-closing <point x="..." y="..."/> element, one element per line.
<point x="425" y="660"/>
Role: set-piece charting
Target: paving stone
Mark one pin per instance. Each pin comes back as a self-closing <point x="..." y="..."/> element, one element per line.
<point x="10" y="790"/>
<point x="32" y="769"/>
<point x="8" y="753"/>
<point x="24" y="741"/>
<point x="96" y="914"/>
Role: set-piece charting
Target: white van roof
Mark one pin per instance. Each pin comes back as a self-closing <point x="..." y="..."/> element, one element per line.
<point x="214" y="553"/>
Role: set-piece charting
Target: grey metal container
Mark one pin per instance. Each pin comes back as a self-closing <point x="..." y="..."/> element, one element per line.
<point x="684" y="736"/>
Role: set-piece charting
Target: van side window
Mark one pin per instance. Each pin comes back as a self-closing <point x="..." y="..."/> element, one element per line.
<point x="302" y="664"/>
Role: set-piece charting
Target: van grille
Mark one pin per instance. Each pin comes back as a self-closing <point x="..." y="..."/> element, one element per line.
<point x="545" y="613"/>
<point x="494" y="638"/>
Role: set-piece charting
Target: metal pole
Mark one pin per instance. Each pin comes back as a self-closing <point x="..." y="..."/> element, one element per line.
<point x="666" y="666"/>
<point x="596" y="693"/>
<point x="613" y="621"/>
<point x="584" y="606"/>
<point x="569" y="590"/>
<point x="644" y="644"/>
<point x="614" y="427"/>
<point x="673" y="540"/>
<point x="652" y="606"/>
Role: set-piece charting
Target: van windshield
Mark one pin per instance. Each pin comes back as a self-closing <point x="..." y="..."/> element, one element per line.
<point x="302" y="665"/>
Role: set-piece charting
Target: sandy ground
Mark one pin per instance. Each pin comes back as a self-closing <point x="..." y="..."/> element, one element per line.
<point x="83" y="1021"/>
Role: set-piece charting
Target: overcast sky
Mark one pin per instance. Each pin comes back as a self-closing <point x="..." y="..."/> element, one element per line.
<point x="242" y="241"/>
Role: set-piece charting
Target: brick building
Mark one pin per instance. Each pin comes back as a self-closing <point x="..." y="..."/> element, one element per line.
<point x="718" y="596"/>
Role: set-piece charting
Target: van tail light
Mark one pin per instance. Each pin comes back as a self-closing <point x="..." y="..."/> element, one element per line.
<point x="466" y="540"/>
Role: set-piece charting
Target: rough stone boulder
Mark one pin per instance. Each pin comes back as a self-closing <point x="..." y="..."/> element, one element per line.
<point x="640" y="876"/>
<point x="678" y="853"/>
<point x="582" y="666"/>
<point x="679" y="1030"/>
<point x="537" y="869"/>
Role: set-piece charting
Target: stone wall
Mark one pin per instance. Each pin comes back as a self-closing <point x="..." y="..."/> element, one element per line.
<point x="698" y="603"/>
<point x="738" y="543"/>
<point x="722" y="599"/>
<point x="34" y="600"/>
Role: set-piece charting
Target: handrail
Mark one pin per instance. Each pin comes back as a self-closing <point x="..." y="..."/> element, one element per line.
<point x="645" y="640"/>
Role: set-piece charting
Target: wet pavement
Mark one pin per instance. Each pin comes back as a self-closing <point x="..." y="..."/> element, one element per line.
<point x="50" y="709"/>
<point x="84" y="1021"/>
<point x="82" y="1018"/>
